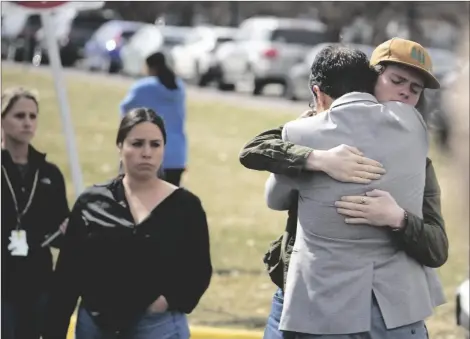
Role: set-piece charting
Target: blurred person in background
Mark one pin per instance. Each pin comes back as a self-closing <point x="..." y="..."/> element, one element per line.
<point x="457" y="101"/>
<point x="136" y="252"/>
<point x="34" y="207"/>
<point x="164" y="93"/>
<point x="424" y="238"/>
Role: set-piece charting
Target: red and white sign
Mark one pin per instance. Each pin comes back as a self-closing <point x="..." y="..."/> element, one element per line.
<point x="30" y="7"/>
<point x="40" y="4"/>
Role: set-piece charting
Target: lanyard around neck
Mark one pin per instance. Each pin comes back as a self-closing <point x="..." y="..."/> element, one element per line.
<point x="19" y="214"/>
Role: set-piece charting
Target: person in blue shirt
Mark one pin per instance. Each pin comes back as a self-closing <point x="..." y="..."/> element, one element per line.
<point x="164" y="93"/>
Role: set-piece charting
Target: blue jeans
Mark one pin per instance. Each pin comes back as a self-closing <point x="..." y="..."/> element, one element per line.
<point x="272" y="327"/>
<point x="167" y="325"/>
<point x="23" y="318"/>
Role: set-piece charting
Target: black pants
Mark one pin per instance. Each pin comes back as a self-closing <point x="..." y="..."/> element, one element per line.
<point x="173" y="175"/>
<point x="23" y="318"/>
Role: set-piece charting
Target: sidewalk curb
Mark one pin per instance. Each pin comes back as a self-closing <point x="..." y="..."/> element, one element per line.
<point x="199" y="332"/>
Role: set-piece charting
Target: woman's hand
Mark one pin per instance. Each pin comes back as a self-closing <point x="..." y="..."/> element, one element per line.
<point x="159" y="306"/>
<point x="376" y="208"/>
<point x="346" y="164"/>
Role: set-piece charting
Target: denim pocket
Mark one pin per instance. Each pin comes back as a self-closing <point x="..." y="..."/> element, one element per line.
<point x="162" y="325"/>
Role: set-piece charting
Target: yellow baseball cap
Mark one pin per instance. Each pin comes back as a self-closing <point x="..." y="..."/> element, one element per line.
<point x="408" y="53"/>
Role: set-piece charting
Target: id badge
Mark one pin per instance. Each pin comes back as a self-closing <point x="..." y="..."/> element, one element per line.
<point x="18" y="243"/>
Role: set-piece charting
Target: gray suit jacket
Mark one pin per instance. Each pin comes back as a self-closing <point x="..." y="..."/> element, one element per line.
<point x="335" y="267"/>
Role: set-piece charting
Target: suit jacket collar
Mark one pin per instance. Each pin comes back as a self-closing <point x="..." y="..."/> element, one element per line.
<point x="353" y="97"/>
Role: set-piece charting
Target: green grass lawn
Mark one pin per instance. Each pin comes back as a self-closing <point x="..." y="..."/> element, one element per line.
<point x="241" y="225"/>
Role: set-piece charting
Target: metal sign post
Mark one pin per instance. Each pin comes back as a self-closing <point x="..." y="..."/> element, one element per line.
<point x="59" y="83"/>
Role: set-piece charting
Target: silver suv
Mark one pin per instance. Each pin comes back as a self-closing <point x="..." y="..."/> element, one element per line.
<point x="265" y="49"/>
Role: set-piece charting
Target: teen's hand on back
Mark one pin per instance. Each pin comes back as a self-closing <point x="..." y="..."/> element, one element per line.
<point x="346" y="164"/>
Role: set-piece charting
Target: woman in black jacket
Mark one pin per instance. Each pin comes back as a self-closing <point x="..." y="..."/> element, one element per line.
<point x="136" y="249"/>
<point x="34" y="205"/>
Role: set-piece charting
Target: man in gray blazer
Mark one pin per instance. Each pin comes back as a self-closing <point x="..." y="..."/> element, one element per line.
<point x="342" y="276"/>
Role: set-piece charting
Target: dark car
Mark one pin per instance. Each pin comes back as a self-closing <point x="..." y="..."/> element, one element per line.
<point x="73" y="34"/>
<point x="20" y="45"/>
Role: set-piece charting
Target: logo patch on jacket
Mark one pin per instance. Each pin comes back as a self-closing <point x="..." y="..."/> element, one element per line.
<point x="46" y="181"/>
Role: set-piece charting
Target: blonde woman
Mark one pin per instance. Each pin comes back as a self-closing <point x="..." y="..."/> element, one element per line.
<point x="34" y="205"/>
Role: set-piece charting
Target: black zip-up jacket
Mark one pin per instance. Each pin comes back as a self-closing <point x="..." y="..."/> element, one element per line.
<point x="23" y="276"/>
<point x="119" y="268"/>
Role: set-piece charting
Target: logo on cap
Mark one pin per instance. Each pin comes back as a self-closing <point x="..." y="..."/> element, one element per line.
<point x="418" y="55"/>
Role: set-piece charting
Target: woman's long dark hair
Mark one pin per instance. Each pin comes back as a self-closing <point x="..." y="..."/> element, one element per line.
<point x="138" y="116"/>
<point x="157" y="62"/>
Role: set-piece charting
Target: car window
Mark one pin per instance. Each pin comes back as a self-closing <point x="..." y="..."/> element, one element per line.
<point x="90" y="22"/>
<point x="298" y="36"/>
<point x="221" y="40"/>
<point x="171" y="39"/>
<point x="127" y="34"/>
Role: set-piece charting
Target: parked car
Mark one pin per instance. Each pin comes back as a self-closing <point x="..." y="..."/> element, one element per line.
<point x="194" y="60"/>
<point x="73" y="33"/>
<point x="18" y="32"/>
<point x="264" y="49"/>
<point x="298" y="75"/>
<point x="147" y="40"/>
<point x="103" y="50"/>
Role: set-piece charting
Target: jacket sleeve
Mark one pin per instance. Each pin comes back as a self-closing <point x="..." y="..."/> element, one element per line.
<point x="280" y="192"/>
<point x="61" y="206"/>
<point x="425" y="239"/>
<point x="65" y="285"/>
<point x="268" y="152"/>
<point x="194" y="269"/>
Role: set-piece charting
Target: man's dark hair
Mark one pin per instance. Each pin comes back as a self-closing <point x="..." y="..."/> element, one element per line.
<point x="338" y="70"/>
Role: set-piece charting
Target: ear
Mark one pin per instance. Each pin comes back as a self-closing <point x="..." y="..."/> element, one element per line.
<point x="316" y="90"/>
<point x="320" y="96"/>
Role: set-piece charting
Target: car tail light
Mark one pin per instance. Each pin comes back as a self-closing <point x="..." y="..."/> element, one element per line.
<point x="114" y="43"/>
<point x="270" y="53"/>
